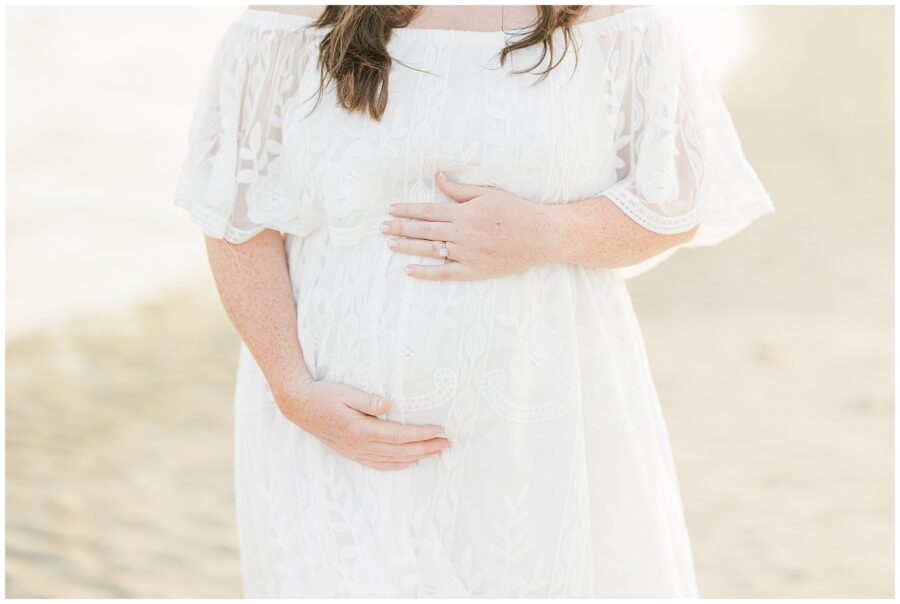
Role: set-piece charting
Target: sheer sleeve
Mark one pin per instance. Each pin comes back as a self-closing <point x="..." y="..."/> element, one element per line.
<point x="234" y="180"/>
<point x="678" y="159"/>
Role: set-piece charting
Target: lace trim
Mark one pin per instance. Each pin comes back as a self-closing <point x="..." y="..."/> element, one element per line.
<point x="214" y="225"/>
<point x="635" y="208"/>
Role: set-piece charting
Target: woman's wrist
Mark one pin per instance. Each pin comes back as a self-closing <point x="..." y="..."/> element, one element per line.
<point x="550" y="232"/>
<point x="292" y="387"/>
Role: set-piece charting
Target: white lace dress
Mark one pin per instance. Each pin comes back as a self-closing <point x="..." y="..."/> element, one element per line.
<point x="560" y="480"/>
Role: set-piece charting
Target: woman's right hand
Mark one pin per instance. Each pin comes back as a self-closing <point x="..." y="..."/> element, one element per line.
<point x="345" y="419"/>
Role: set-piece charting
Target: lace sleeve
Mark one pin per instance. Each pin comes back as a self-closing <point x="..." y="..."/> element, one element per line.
<point x="679" y="161"/>
<point x="234" y="180"/>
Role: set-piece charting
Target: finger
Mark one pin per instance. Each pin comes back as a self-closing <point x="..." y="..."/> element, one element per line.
<point x="434" y="212"/>
<point x="458" y="191"/>
<point x="420" y="229"/>
<point x="372" y="404"/>
<point x="384" y="431"/>
<point x="420" y="247"/>
<point x="422" y="447"/>
<point x="450" y="271"/>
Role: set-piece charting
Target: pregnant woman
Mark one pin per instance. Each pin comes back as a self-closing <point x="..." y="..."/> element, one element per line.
<point x="420" y="220"/>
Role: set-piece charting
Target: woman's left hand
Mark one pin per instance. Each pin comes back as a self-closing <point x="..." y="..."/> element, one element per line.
<point x="489" y="232"/>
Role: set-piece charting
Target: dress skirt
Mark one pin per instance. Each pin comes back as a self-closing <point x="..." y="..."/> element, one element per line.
<point x="559" y="481"/>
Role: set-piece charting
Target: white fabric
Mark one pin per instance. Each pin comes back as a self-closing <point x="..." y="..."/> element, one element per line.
<point x="560" y="481"/>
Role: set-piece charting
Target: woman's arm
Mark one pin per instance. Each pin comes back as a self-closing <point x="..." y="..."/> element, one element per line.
<point x="595" y="232"/>
<point x="491" y="232"/>
<point x="255" y="288"/>
<point x="254" y="285"/>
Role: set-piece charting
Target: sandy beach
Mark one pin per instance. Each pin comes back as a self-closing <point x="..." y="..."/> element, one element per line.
<point x="772" y="354"/>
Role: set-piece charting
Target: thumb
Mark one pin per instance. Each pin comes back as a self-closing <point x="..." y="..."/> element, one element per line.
<point x="458" y="191"/>
<point x="370" y="404"/>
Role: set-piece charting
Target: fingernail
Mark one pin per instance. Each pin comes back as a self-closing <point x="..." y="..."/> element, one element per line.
<point x="392" y="243"/>
<point x="441" y="175"/>
<point x="409" y="270"/>
<point x="385" y="226"/>
<point x="392" y="209"/>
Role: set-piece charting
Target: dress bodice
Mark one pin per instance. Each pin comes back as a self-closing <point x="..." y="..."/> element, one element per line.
<point x="628" y="112"/>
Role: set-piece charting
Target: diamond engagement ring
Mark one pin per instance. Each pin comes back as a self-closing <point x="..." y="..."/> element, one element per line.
<point x="442" y="252"/>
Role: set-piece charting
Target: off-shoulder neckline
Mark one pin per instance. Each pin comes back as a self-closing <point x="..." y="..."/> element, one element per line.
<point x="615" y="22"/>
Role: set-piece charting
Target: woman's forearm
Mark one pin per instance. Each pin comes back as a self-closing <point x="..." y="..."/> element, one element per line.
<point x="255" y="288"/>
<point x="595" y="232"/>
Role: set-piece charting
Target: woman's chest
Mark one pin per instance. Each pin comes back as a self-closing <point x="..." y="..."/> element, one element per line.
<point x="455" y="108"/>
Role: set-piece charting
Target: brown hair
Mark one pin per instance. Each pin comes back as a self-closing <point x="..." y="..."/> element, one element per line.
<point x="354" y="54"/>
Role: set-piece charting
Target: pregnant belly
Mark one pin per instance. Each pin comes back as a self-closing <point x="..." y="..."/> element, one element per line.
<point x="517" y="345"/>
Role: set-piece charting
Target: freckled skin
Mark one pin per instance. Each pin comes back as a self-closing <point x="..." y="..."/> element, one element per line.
<point x="597" y="233"/>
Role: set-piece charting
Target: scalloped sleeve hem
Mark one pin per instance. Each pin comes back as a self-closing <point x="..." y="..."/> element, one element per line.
<point x="215" y="226"/>
<point x="714" y="229"/>
<point x="679" y="162"/>
<point x="238" y="178"/>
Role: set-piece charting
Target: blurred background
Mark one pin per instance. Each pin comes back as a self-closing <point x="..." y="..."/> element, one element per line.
<point x="772" y="353"/>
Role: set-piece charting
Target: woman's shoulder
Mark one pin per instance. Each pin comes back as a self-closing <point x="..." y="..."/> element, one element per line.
<point x="304" y="10"/>
<point x="596" y="12"/>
